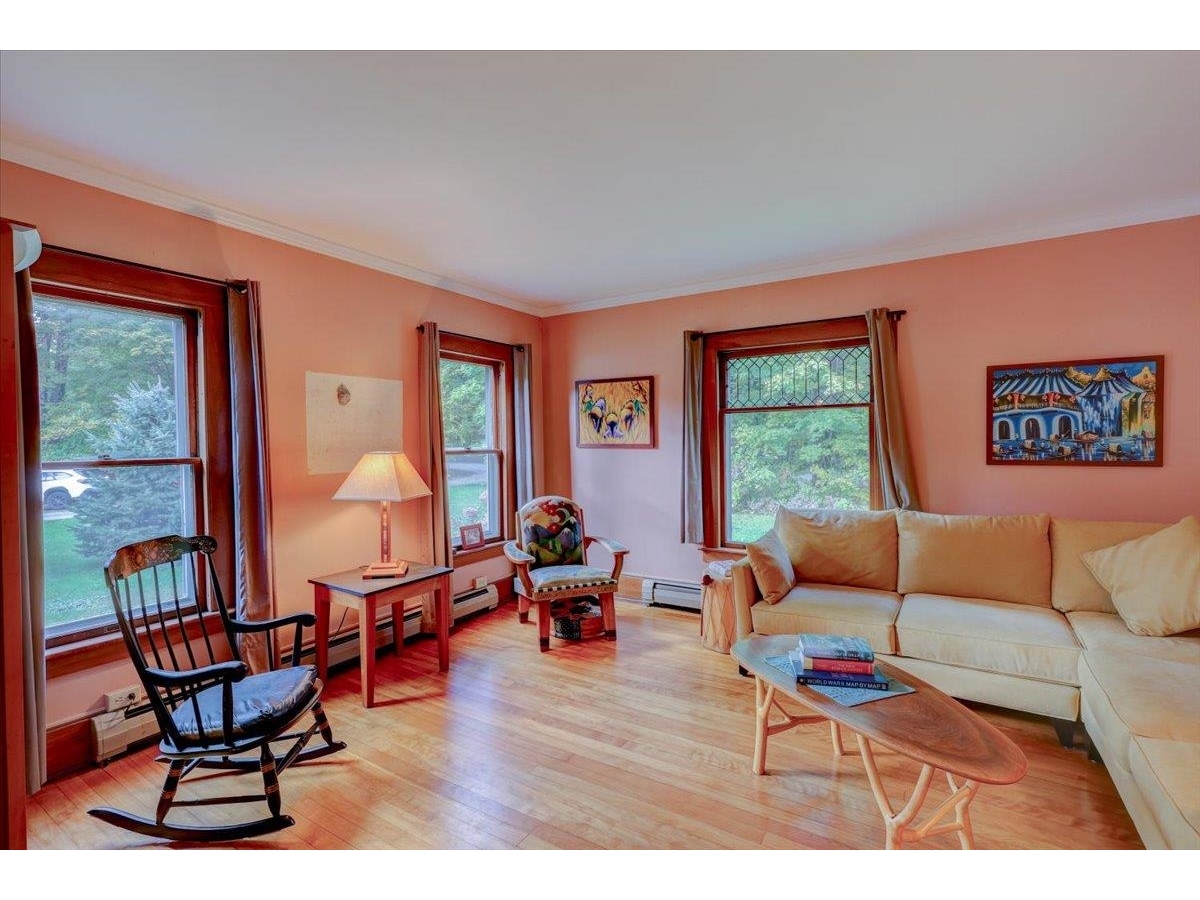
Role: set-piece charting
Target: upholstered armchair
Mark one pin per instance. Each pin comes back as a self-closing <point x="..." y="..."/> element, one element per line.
<point x="550" y="554"/>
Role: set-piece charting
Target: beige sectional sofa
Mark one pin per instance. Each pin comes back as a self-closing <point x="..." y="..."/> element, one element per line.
<point x="1001" y="610"/>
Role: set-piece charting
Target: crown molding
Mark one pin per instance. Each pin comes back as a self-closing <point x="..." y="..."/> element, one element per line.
<point x="76" y="170"/>
<point x="1176" y="209"/>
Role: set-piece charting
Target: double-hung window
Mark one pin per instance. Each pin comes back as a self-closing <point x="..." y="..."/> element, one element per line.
<point x="135" y="427"/>
<point x="477" y="427"/>
<point x="787" y="423"/>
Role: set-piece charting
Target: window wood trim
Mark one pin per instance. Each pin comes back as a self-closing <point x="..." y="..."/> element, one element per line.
<point x="81" y="655"/>
<point x="464" y="348"/>
<point x="202" y="303"/>
<point x="719" y="346"/>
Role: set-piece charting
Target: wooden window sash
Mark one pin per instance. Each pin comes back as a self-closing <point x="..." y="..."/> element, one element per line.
<point x="200" y="303"/>
<point x="765" y="341"/>
<point x="497" y="356"/>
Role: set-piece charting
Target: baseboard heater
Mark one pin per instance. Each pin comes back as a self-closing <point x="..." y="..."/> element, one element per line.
<point x="680" y="594"/>
<point x="115" y="732"/>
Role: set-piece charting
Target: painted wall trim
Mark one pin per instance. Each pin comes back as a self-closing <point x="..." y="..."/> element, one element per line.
<point x="96" y="177"/>
<point x="87" y="173"/>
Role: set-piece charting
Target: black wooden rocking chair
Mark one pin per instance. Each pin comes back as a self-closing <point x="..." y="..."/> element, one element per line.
<point x="211" y="711"/>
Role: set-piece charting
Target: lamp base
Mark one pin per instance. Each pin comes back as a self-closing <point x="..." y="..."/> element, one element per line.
<point x="397" y="569"/>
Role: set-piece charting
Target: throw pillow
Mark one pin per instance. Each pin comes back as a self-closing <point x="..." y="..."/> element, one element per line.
<point x="771" y="566"/>
<point x="1154" y="580"/>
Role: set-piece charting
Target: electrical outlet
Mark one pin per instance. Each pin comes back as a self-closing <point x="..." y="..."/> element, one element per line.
<point x="119" y="699"/>
<point x="481" y="581"/>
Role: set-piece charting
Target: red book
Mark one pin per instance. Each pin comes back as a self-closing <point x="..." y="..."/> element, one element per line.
<point x="854" y="666"/>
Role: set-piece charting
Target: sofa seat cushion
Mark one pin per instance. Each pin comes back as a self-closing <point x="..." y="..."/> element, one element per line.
<point x="837" y="546"/>
<point x="1072" y="586"/>
<point x="1107" y="632"/>
<point x="832" y="609"/>
<point x="993" y="557"/>
<point x="990" y="635"/>
<point x="1167" y="774"/>
<point x="1127" y="696"/>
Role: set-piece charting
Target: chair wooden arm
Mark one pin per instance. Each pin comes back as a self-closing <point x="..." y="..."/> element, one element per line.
<point x="229" y="672"/>
<point x="522" y="561"/>
<point x="300" y="620"/>
<point x="617" y="550"/>
<point x="516" y="555"/>
<point x="303" y="619"/>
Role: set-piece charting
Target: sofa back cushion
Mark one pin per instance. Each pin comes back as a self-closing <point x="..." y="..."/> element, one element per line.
<point x="832" y="546"/>
<point x="1072" y="586"/>
<point x="989" y="557"/>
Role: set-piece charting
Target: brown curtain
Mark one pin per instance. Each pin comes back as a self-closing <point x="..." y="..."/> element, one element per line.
<point x="251" y="472"/>
<point x="429" y="386"/>
<point x="691" y="522"/>
<point x="23" y="627"/>
<point x="897" y="483"/>
<point x="523" y="421"/>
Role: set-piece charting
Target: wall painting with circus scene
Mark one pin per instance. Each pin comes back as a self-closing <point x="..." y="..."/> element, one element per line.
<point x="617" y="412"/>
<point x="1099" y="412"/>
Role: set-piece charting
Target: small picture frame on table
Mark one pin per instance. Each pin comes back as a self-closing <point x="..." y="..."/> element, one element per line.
<point x="471" y="536"/>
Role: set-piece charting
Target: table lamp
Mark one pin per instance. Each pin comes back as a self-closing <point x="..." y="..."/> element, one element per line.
<point x="383" y="475"/>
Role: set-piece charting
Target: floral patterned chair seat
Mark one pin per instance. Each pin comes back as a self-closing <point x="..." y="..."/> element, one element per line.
<point x="551" y="559"/>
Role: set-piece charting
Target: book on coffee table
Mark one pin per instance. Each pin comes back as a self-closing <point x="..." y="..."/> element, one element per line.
<point x="872" y="682"/>
<point x="835" y="646"/>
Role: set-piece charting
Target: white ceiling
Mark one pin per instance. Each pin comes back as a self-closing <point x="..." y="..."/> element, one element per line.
<point x="556" y="181"/>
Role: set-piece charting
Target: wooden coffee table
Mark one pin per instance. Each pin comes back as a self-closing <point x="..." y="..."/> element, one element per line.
<point x="927" y="726"/>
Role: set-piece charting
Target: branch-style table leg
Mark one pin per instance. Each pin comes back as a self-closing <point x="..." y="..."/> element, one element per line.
<point x="898" y="824"/>
<point x="764" y="700"/>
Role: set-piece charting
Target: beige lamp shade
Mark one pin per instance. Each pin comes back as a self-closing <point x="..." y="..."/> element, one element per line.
<point x="383" y="475"/>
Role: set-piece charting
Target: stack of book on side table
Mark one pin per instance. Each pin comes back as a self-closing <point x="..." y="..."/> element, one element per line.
<point x="834" y="660"/>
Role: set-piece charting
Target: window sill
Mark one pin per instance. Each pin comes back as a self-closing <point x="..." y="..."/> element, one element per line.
<point x="109" y="648"/>
<point x="715" y="554"/>
<point x="492" y="550"/>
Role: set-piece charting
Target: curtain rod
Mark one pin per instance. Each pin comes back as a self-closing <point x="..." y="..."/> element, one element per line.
<point x="520" y="348"/>
<point x="236" y="282"/>
<point x="894" y="314"/>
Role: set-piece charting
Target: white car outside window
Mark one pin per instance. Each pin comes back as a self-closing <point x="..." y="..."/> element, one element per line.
<point x="61" y="486"/>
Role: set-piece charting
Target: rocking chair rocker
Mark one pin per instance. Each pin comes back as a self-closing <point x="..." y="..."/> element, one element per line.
<point x="211" y="711"/>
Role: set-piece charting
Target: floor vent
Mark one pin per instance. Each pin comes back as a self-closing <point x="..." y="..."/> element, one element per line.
<point x="682" y="594"/>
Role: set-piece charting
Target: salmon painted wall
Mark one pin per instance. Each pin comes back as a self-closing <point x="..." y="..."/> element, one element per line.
<point x="1129" y="291"/>
<point x="319" y="314"/>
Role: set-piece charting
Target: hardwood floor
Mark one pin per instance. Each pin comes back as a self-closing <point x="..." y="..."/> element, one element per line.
<point x="645" y="742"/>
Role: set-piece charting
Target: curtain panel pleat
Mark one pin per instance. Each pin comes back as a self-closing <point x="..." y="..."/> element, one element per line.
<point x="429" y="387"/>
<point x="251" y="471"/>
<point x="523" y="421"/>
<point x="893" y="458"/>
<point x="33" y="588"/>
<point x="22" y="629"/>
<point x="691" y="522"/>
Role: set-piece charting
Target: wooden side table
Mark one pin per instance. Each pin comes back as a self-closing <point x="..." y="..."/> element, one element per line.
<point x="717" y="620"/>
<point x="350" y="589"/>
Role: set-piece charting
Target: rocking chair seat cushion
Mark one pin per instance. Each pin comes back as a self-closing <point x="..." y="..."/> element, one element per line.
<point x="261" y="703"/>
<point x="549" y="579"/>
